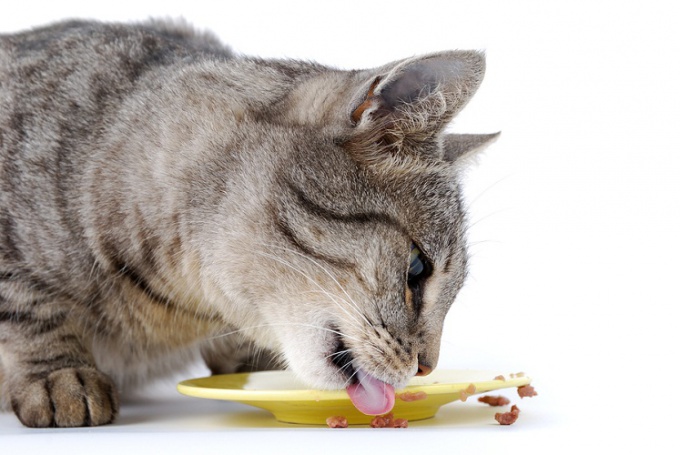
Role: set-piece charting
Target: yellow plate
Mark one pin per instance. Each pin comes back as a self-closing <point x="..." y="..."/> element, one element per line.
<point x="290" y="401"/>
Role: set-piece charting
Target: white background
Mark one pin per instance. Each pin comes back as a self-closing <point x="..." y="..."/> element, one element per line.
<point x="574" y="221"/>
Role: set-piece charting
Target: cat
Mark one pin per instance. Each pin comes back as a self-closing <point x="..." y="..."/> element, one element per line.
<point x="164" y="198"/>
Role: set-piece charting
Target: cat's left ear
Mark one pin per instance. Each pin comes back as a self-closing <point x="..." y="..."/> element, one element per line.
<point x="417" y="96"/>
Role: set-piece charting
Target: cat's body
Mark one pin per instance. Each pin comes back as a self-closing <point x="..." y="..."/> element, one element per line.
<point x="160" y="197"/>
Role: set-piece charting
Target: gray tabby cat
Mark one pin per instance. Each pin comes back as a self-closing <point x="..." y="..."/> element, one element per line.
<point x="162" y="198"/>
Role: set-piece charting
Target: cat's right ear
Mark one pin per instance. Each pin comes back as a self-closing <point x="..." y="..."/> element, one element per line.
<point x="416" y="97"/>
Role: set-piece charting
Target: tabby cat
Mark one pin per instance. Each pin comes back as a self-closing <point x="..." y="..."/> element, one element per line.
<point x="162" y="198"/>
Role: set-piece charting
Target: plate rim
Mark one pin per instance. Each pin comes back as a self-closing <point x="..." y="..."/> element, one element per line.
<point x="189" y="388"/>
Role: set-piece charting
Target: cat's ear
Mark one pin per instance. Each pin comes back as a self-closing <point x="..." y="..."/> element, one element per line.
<point x="461" y="147"/>
<point x="417" y="96"/>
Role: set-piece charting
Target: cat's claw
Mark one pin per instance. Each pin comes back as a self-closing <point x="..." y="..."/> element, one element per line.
<point x="69" y="397"/>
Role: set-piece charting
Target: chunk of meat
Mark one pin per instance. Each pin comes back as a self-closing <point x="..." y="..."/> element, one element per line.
<point x="412" y="396"/>
<point x="507" y="418"/>
<point x="400" y="423"/>
<point x="470" y="390"/>
<point x="526" y="391"/>
<point x="388" y="421"/>
<point x="384" y="421"/>
<point x="337" y="422"/>
<point x="491" y="400"/>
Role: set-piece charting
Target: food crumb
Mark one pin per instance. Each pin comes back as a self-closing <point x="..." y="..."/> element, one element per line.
<point x="464" y="394"/>
<point x="383" y="421"/>
<point x="526" y="391"/>
<point x="388" y="421"/>
<point x="491" y="400"/>
<point x="507" y="418"/>
<point x="412" y="396"/>
<point x="337" y="422"/>
<point x="400" y="423"/>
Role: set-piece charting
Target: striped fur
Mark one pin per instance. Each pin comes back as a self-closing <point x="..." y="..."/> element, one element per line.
<point x="161" y="199"/>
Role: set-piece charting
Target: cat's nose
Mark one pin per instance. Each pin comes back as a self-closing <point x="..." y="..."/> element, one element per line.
<point x="423" y="370"/>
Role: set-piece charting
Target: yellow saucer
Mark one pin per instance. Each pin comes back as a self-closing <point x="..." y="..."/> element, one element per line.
<point x="291" y="401"/>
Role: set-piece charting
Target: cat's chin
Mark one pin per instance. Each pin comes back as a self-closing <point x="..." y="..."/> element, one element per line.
<point x="321" y="378"/>
<point x="331" y="368"/>
<point x="369" y="394"/>
<point x="318" y="373"/>
<point x="315" y="366"/>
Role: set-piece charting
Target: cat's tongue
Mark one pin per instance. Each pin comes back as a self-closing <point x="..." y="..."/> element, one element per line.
<point x="370" y="395"/>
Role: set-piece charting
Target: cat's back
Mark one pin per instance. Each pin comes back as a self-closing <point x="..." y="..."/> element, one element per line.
<point x="61" y="86"/>
<point x="95" y="60"/>
<point x="63" y="80"/>
<point x="81" y="41"/>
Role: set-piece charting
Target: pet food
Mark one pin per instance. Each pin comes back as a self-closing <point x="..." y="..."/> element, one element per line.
<point x="336" y="422"/>
<point x="464" y="394"/>
<point x="491" y="400"/>
<point x="526" y="391"/>
<point x="507" y="418"/>
<point x="400" y="423"/>
<point x="388" y="421"/>
<point x="412" y="396"/>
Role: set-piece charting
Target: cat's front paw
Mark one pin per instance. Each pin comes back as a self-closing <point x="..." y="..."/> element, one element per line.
<point x="70" y="397"/>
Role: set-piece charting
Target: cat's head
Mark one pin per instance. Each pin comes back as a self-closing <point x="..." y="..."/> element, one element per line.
<point x="361" y="251"/>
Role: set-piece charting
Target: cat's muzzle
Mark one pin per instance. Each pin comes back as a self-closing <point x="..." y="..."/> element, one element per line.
<point x="342" y="358"/>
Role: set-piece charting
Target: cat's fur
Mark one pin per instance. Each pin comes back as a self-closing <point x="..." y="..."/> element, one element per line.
<point x="161" y="197"/>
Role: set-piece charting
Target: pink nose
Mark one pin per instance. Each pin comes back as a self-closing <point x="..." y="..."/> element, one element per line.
<point x="423" y="370"/>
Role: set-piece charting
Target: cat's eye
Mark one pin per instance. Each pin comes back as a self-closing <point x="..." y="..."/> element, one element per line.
<point x="419" y="267"/>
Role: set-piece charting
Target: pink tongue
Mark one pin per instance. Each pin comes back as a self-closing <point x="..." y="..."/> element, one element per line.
<point x="371" y="396"/>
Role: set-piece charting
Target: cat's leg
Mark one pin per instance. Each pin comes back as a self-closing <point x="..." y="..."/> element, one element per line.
<point x="235" y="354"/>
<point x="50" y="378"/>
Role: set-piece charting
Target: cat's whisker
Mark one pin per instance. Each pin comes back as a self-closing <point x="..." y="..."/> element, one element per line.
<point x="475" y="222"/>
<point x="314" y="282"/>
<point x="490" y="187"/>
<point x="351" y="303"/>
<point x="341" y="299"/>
<point x="277" y="324"/>
<point x="350" y="379"/>
<point x="338" y="353"/>
<point x="325" y="270"/>
<point x="345" y="367"/>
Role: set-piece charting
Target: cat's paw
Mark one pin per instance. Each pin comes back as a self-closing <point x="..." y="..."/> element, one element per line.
<point x="70" y="397"/>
